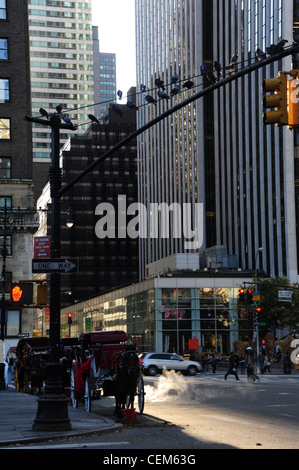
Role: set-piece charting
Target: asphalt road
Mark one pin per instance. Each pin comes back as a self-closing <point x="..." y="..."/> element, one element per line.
<point x="203" y="412"/>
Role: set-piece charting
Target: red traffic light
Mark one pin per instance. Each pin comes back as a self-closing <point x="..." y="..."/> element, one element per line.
<point x="70" y="321"/>
<point x="258" y="310"/>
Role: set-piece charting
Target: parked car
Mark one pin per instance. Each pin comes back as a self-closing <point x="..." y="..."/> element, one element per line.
<point x="154" y="362"/>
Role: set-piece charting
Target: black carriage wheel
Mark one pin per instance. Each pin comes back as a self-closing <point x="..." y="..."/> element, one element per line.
<point x="74" y="400"/>
<point x="140" y="395"/>
<point x="87" y="395"/>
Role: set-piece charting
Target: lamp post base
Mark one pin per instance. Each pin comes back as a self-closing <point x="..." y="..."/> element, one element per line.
<point x="52" y="414"/>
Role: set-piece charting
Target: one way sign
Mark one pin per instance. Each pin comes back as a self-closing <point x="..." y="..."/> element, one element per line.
<point x="49" y="265"/>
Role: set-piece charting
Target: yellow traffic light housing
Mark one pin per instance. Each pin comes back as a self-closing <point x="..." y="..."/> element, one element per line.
<point x="278" y="100"/>
<point x="293" y="86"/>
<point x="42" y="295"/>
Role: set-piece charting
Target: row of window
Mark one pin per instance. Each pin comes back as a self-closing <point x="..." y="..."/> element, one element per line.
<point x="3" y="14"/>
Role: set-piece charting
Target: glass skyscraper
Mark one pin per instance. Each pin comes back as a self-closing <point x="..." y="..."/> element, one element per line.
<point x="217" y="151"/>
<point x="61" y="62"/>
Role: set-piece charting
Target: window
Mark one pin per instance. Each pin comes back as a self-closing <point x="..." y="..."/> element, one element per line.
<point x="8" y="245"/>
<point x="8" y="201"/>
<point x="3" y="10"/>
<point x="3" y="49"/>
<point x="4" y="90"/>
<point x="5" y="168"/>
<point x="4" y="128"/>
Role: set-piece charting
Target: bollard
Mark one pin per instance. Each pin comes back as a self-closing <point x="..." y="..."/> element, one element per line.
<point x="2" y="378"/>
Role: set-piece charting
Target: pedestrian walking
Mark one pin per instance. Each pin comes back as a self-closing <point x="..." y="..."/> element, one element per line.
<point x="249" y="361"/>
<point x="267" y="364"/>
<point x="213" y="363"/>
<point x="233" y="362"/>
<point x="261" y="362"/>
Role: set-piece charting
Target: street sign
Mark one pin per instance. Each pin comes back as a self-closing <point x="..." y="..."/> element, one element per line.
<point x="56" y="265"/>
<point x="285" y="295"/>
<point x="256" y="298"/>
<point x="42" y="247"/>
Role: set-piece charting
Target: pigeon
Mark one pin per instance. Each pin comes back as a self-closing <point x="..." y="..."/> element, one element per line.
<point x="59" y="109"/>
<point x="296" y="39"/>
<point x="211" y="77"/>
<point x="175" y="90"/>
<point x="131" y="105"/>
<point x="174" y="78"/>
<point x="163" y="95"/>
<point x="272" y="50"/>
<point x="280" y="45"/>
<point x="260" y="54"/>
<point x="218" y="68"/>
<point x="203" y="69"/>
<point x="67" y="120"/>
<point x="117" y="109"/>
<point x="150" y="99"/>
<point x="44" y="113"/>
<point x="142" y="88"/>
<point x="93" y="118"/>
<point x="159" y="83"/>
<point x="188" y="84"/>
<point x="120" y="94"/>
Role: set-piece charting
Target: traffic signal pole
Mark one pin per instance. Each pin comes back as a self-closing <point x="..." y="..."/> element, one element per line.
<point x="3" y="276"/>
<point x="293" y="50"/>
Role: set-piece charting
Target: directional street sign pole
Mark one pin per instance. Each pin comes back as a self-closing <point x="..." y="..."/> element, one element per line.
<point x="51" y="265"/>
<point x="52" y="411"/>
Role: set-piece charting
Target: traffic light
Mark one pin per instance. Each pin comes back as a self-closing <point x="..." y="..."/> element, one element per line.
<point x="293" y="85"/>
<point x="249" y="296"/>
<point x="258" y="310"/>
<point x="42" y="294"/>
<point x="242" y="295"/>
<point x="278" y="100"/>
<point x="21" y="293"/>
<point x="69" y="318"/>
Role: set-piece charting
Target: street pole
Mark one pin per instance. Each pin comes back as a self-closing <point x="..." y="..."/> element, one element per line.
<point x="257" y="319"/>
<point x="52" y="412"/>
<point x="3" y="278"/>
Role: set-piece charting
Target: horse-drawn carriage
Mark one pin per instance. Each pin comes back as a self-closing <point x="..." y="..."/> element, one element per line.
<point x="106" y="365"/>
<point x="32" y="357"/>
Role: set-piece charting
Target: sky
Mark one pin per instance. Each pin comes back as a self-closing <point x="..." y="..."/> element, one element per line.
<point x="116" y="22"/>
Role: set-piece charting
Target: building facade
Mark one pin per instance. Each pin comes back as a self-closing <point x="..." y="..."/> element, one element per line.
<point x="217" y="151"/>
<point x="166" y="313"/>
<point x="18" y="219"/>
<point x="61" y="64"/>
<point x="104" y="77"/>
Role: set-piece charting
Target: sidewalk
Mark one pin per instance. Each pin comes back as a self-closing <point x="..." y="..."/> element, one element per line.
<point x="18" y="411"/>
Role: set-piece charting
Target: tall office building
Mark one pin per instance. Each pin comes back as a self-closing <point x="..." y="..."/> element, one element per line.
<point x="104" y="77"/>
<point x="217" y="151"/>
<point x="61" y="62"/>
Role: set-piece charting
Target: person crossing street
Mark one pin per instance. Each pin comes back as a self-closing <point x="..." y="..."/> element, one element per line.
<point x="233" y="362"/>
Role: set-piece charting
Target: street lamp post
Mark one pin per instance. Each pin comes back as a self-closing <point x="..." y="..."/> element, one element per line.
<point x="52" y="412"/>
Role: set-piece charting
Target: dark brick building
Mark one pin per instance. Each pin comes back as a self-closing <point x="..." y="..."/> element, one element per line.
<point x="110" y="262"/>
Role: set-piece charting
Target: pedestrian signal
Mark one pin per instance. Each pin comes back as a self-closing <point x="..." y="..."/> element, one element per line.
<point x="21" y="294"/>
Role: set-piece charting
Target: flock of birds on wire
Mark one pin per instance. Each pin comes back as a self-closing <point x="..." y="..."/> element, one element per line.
<point x="210" y="77"/>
